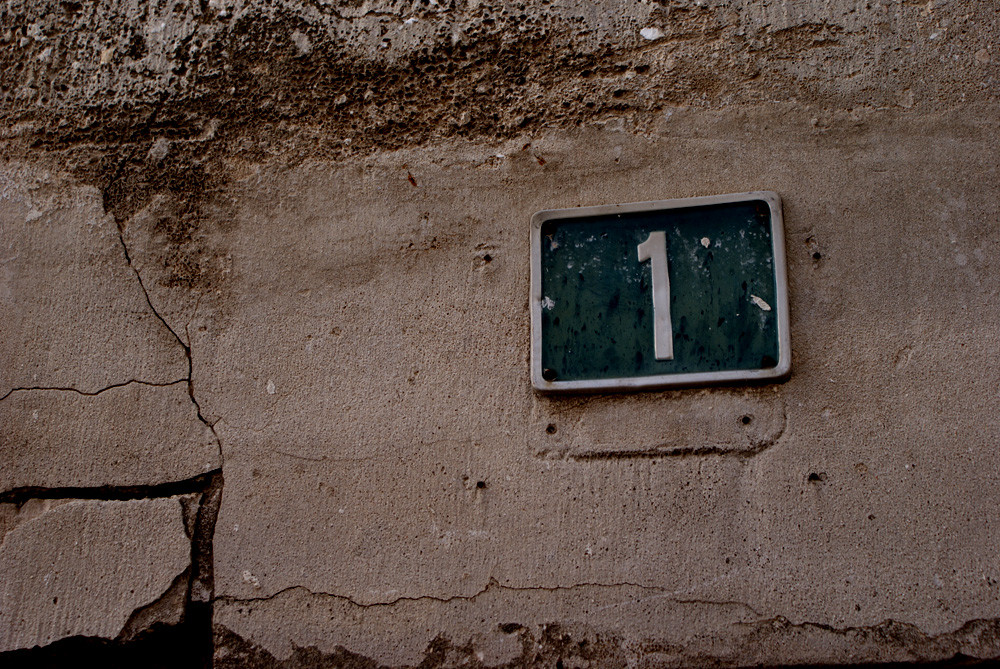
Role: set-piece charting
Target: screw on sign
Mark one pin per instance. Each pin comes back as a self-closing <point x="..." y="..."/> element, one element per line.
<point x="659" y="294"/>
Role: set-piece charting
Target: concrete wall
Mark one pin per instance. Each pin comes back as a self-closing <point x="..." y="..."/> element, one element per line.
<point x="265" y="335"/>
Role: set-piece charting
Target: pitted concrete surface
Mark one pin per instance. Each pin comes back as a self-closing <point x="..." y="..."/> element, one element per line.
<point x="296" y="233"/>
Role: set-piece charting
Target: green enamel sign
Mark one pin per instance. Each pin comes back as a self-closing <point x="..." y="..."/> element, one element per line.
<point x="659" y="294"/>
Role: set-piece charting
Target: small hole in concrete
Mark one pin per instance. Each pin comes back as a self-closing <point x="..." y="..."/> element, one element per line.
<point x="816" y="478"/>
<point x="746" y="420"/>
<point x="817" y="255"/>
<point x="551" y="429"/>
<point x="480" y="484"/>
<point x="487" y="257"/>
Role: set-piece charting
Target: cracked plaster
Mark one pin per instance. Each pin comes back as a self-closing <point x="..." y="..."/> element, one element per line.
<point x="587" y="624"/>
<point x="319" y="253"/>
<point x="131" y="435"/>
<point x="74" y="315"/>
<point x="81" y="568"/>
<point x="98" y="386"/>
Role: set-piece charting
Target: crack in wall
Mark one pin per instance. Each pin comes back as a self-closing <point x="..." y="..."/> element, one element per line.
<point x="201" y="590"/>
<point x="185" y="346"/>
<point x="197" y="484"/>
<point x="165" y="609"/>
<point x="95" y="392"/>
<point x="175" y="629"/>
<point x="183" y="611"/>
<point x="492" y="585"/>
<point x="199" y="586"/>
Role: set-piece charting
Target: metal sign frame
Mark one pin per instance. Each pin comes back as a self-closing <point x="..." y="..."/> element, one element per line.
<point x="780" y="371"/>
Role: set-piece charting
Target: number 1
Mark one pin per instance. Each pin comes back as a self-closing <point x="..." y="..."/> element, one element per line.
<point x="654" y="249"/>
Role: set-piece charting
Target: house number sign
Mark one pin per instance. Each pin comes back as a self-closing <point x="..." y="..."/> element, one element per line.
<point x="659" y="294"/>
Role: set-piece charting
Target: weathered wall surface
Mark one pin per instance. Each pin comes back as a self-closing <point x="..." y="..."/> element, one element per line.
<point x="287" y="243"/>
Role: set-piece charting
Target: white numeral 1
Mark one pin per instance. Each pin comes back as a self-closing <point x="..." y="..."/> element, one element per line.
<point x="655" y="250"/>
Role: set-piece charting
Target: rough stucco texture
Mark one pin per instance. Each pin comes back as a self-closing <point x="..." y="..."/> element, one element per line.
<point x="327" y="207"/>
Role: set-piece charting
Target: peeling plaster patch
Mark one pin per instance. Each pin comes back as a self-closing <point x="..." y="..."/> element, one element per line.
<point x="248" y="577"/>
<point x="160" y="149"/>
<point x="302" y="44"/>
<point x="651" y="33"/>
